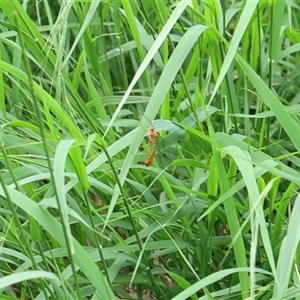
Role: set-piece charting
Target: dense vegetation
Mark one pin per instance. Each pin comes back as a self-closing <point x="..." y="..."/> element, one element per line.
<point x="216" y="214"/>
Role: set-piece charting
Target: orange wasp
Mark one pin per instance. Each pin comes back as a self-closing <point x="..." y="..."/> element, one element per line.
<point x="152" y="137"/>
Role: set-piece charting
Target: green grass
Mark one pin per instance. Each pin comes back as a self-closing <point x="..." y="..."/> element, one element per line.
<point x="216" y="215"/>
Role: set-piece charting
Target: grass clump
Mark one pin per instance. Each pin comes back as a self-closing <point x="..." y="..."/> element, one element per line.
<point x="215" y="215"/>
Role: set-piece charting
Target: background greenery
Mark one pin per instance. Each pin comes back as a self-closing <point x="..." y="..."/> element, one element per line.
<point x="216" y="216"/>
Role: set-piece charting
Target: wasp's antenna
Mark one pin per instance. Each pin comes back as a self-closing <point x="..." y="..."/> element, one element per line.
<point x="146" y="118"/>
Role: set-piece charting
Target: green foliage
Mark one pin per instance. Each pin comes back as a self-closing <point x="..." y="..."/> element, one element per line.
<point x="215" y="216"/>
